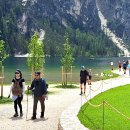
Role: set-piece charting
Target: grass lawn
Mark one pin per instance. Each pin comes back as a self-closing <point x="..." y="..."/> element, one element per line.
<point x="5" y="100"/>
<point x="119" y="98"/>
<point x="107" y="74"/>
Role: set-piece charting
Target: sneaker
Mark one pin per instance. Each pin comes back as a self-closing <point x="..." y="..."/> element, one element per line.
<point x="15" y="115"/>
<point x="81" y="93"/>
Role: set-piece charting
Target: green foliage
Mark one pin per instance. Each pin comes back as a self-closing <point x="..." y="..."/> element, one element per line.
<point x="66" y="86"/>
<point x="3" y="54"/>
<point x="36" y="55"/>
<point x="85" y="41"/>
<point x="67" y="56"/>
<point x="5" y="100"/>
<point x="119" y="98"/>
<point x="107" y="74"/>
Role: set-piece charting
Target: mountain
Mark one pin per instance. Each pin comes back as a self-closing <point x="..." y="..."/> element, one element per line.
<point x="19" y="19"/>
<point x="117" y="12"/>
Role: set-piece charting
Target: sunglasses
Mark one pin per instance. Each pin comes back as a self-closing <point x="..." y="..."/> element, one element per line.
<point x="17" y="73"/>
<point x="37" y="75"/>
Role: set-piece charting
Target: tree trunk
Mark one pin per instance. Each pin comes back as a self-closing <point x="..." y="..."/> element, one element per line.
<point x="2" y="81"/>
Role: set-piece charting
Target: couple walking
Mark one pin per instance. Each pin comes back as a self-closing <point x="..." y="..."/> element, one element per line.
<point x="39" y="88"/>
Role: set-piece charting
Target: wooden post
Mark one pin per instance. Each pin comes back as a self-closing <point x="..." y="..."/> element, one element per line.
<point x="2" y="81"/>
<point x="32" y="75"/>
<point x="71" y="75"/>
<point x="62" y="75"/>
<point x="103" y="116"/>
<point x="42" y="72"/>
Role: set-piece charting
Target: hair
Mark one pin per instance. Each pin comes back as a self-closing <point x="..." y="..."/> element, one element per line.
<point x="38" y="72"/>
<point x="19" y="72"/>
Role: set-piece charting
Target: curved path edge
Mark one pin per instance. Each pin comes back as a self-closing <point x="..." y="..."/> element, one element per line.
<point x="69" y="119"/>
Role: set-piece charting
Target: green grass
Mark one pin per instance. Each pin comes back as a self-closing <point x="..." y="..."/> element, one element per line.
<point x="5" y="100"/>
<point x="107" y="74"/>
<point x="119" y="98"/>
<point x="66" y="86"/>
<point x="49" y="92"/>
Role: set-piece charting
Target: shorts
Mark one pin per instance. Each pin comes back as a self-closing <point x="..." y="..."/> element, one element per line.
<point x="82" y="81"/>
<point x="119" y="66"/>
<point x="124" y="68"/>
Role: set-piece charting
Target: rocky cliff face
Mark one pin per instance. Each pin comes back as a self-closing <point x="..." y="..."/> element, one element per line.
<point x="68" y="13"/>
<point x="117" y="12"/>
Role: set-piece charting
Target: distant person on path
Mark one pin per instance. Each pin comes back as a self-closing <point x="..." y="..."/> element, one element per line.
<point x="90" y="77"/>
<point x="124" y="67"/>
<point x="129" y="67"/>
<point x="17" y="89"/>
<point x="112" y="65"/>
<point x="84" y="76"/>
<point x="39" y="88"/>
<point x="119" y="65"/>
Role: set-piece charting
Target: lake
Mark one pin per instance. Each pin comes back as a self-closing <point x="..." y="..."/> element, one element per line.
<point x="52" y="67"/>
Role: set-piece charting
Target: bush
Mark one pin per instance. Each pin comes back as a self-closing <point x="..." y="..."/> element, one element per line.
<point x="5" y="100"/>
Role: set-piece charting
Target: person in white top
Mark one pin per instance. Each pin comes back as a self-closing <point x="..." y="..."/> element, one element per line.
<point x="17" y="91"/>
<point x="112" y="65"/>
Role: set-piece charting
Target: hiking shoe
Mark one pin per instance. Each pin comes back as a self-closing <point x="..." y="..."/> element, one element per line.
<point x="15" y="115"/>
<point x="21" y="114"/>
<point x="33" y="117"/>
<point x="42" y="115"/>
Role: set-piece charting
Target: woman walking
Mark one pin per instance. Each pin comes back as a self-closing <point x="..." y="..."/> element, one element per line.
<point x="17" y="89"/>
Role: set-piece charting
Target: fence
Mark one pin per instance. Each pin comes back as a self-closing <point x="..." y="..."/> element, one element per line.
<point x="104" y="103"/>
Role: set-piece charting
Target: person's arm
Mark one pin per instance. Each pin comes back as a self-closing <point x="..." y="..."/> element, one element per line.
<point x="32" y="86"/>
<point x="44" y="88"/>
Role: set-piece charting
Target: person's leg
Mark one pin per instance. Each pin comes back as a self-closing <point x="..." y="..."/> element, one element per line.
<point x="20" y="98"/>
<point x="34" y="107"/>
<point x="15" y="108"/>
<point x="84" y="87"/>
<point x="81" y="88"/>
<point x="42" y="101"/>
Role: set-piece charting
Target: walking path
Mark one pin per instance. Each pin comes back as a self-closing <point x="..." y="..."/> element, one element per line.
<point x="69" y="119"/>
<point x="55" y="104"/>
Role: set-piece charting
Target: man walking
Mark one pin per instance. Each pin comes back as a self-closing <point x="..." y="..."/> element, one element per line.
<point x="84" y="75"/>
<point x="39" y="89"/>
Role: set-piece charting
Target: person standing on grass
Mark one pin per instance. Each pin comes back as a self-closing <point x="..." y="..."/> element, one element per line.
<point x="112" y="65"/>
<point x="129" y="67"/>
<point x="39" y="88"/>
<point x="84" y="76"/>
<point x="119" y="65"/>
<point x="17" y="89"/>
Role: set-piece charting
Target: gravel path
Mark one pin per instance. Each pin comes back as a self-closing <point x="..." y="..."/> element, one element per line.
<point x="55" y="104"/>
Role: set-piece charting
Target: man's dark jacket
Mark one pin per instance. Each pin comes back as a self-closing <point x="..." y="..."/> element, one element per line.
<point x="39" y="87"/>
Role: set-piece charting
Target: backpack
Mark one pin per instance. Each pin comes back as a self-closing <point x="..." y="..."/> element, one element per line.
<point x="17" y="90"/>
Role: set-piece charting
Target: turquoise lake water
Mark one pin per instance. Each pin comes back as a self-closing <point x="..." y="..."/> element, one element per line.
<point x="53" y="67"/>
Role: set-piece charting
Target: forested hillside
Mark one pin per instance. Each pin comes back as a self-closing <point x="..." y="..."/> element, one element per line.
<point x="18" y="21"/>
